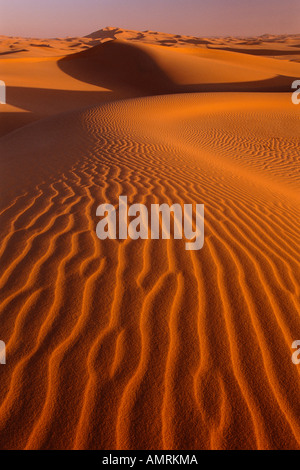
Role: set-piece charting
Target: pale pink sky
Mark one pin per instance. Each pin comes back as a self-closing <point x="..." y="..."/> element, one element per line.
<point x="50" y="18"/>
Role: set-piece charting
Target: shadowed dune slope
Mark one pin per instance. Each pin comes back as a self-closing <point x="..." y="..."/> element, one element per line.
<point x="40" y="86"/>
<point x="153" y="69"/>
<point x="156" y="347"/>
<point x="274" y="46"/>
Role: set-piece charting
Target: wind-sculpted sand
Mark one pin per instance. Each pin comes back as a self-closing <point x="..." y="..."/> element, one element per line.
<point x="140" y="344"/>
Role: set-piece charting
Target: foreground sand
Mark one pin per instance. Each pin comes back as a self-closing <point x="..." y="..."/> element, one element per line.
<point x="142" y="344"/>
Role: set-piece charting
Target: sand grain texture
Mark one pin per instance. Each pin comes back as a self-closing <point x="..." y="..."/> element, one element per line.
<point x="142" y="344"/>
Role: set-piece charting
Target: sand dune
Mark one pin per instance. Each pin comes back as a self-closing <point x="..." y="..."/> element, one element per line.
<point x="142" y="344"/>
<point x="42" y="86"/>
<point x="273" y="46"/>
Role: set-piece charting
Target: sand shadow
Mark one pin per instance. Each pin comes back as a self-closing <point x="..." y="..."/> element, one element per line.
<point x="45" y="101"/>
<point x="42" y="102"/>
<point x="10" y="121"/>
<point x="13" y="52"/>
<point x="121" y="66"/>
<point x="118" y="66"/>
<point x="257" y="52"/>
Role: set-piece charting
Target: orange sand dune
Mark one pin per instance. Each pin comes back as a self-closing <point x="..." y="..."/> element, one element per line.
<point x="285" y="46"/>
<point x="140" y="344"/>
<point x="43" y="86"/>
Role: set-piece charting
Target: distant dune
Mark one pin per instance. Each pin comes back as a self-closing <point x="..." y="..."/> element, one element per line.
<point x="44" y="81"/>
<point x="288" y="45"/>
<point x="141" y="344"/>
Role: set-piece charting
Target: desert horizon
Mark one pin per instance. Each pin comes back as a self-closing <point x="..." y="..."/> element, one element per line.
<point x="138" y="342"/>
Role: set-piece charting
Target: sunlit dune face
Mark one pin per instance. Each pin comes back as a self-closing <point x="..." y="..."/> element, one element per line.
<point x="141" y="344"/>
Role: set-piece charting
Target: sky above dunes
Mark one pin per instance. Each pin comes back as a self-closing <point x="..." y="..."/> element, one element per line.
<point x="59" y="18"/>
